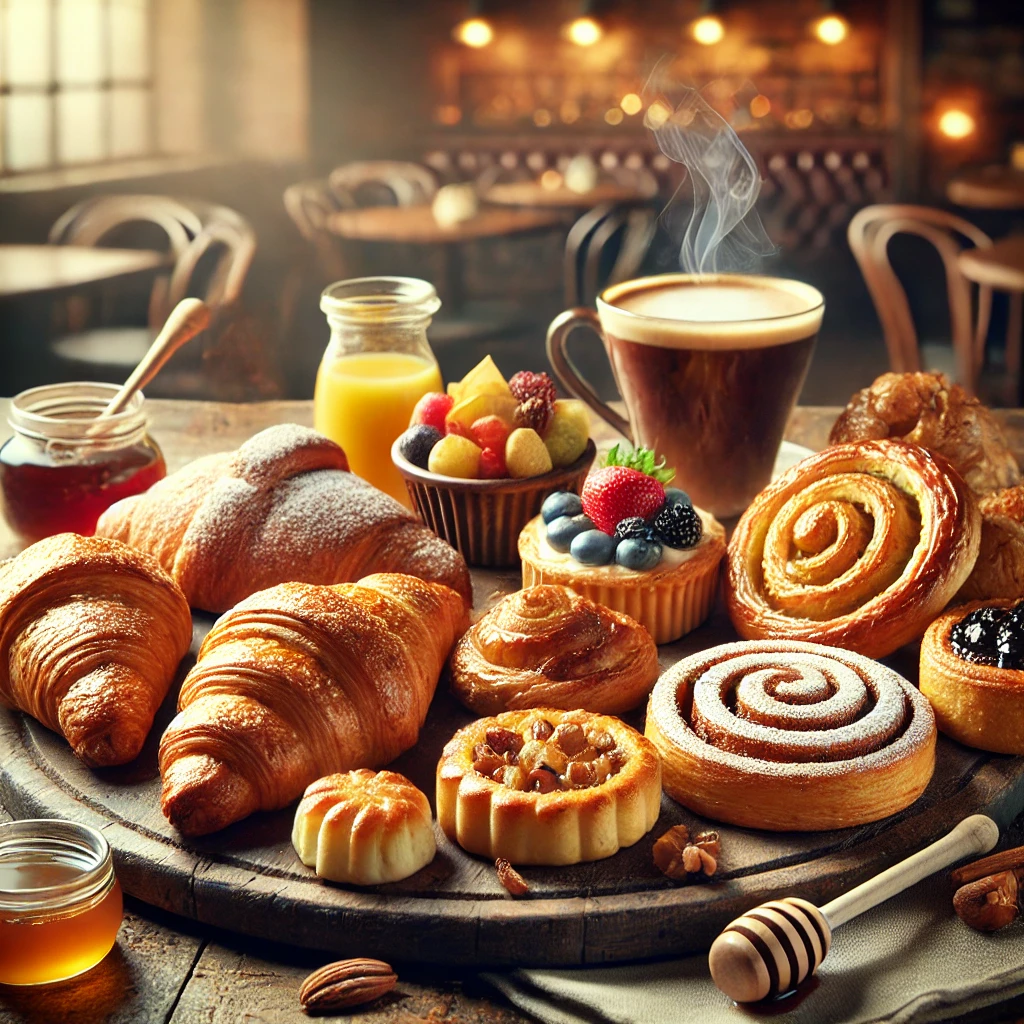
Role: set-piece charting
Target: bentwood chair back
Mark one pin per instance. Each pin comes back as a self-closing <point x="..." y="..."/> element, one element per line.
<point x="403" y="182"/>
<point x="869" y="235"/>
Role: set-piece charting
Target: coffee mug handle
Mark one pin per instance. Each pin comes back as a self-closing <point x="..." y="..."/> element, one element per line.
<point x="558" y="335"/>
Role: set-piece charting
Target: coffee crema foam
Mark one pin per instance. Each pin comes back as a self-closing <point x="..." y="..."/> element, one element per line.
<point x="727" y="311"/>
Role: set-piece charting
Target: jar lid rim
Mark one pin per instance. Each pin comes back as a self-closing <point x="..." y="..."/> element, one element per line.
<point x="22" y="415"/>
<point x="359" y="297"/>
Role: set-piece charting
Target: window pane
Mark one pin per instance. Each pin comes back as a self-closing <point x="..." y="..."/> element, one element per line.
<point x="79" y="41"/>
<point x="26" y="42"/>
<point x="27" y="132"/>
<point x="80" y="126"/>
<point x="129" y="40"/>
<point x="129" y="114"/>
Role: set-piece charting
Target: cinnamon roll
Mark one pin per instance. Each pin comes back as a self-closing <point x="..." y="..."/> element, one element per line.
<point x="548" y="647"/>
<point x="790" y="736"/>
<point x="859" y="546"/>
<point x="972" y="671"/>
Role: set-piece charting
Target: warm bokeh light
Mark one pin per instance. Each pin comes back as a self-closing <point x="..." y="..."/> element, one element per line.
<point x="584" y="31"/>
<point x="551" y="180"/>
<point x="631" y="103"/>
<point x="708" y="30"/>
<point x="802" y="118"/>
<point x="613" y="116"/>
<point x="831" y="29"/>
<point x="449" y="114"/>
<point x="542" y="117"/>
<point x="657" y="114"/>
<point x="760" y="106"/>
<point x="956" y="124"/>
<point x="569" y="111"/>
<point x="474" y="32"/>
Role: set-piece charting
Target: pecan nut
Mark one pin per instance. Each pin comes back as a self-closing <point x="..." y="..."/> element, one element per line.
<point x="513" y="882"/>
<point x="346" y="983"/>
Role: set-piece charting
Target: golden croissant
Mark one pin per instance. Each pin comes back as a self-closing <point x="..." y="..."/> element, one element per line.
<point x="283" y="507"/>
<point x="301" y="681"/>
<point x="91" y="634"/>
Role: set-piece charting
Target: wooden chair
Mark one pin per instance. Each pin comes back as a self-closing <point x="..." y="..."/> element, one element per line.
<point x="408" y="184"/>
<point x="869" y="235"/>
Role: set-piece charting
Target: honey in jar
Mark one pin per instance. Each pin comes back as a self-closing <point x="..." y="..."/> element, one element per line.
<point x="60" y="904"/>
<point x="63" y="467"/>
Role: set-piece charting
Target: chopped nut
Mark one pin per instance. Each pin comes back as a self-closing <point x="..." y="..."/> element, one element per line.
<point x="600" y="739"/>
<point x="542" y="729"/>
<point x="678" y="858"/>
<point x="504" y="740"/>
<point x="554" y="758"/>
<point x="710" y="841"/>
<point x="346" y="983"/>
<point x="580" y="774"/>
<point x="588" y="753"/>
<point x="513" y="882"/>
<point x="989" y="903"/>
<point x="603" y="768"/>
<point x="513" y="776"/>
<point x="531" y="754"/>
<point x="691" y="859"/>
<point x="708" y="863"/>
<point x="542" y="780"/>
<point x="487" y="761"/>
<point x="570" y="738"/>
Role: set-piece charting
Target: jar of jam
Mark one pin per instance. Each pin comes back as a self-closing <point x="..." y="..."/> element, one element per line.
<point x="63" y="468"/>
<point x="60" y="904"/>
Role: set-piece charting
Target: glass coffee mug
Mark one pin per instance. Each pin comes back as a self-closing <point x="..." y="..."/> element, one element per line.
<point x="709" y="367"/>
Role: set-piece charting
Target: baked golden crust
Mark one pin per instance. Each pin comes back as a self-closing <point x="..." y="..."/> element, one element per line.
<point x="979" y="705"/>
<point x="548" y="647"/>
<point x="859" y="546"/>
<point x="926" y="409"/>
<point x="999" y="570"/>
<point x="669" y="600"/>
<point x="488" y="818"/>
<point x="790" y="736"/>
<point x="364" y="828"/>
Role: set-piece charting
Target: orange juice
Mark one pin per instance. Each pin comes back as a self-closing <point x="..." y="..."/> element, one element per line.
<point x="364" y="401"/>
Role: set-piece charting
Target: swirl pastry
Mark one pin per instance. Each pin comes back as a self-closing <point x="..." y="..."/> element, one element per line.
<point x="972" y="671"/>
<point x="790" y="736"/>
<point x="859" y="546"/>
<point x="548" y="647"/>
<point x="547" y="786"/>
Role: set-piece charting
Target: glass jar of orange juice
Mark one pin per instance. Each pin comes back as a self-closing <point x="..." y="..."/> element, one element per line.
<point x="377" y="366"/>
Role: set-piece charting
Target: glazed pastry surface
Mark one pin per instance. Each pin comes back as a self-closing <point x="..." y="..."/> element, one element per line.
<point x="790" y="736"/>
<point x="999" y="571"/>
<point x="859" y="546"/>
<point x="91" y="634"/>
<point x="548" y="647"/>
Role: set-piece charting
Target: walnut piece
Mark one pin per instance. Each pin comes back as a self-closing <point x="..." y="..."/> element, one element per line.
<point x="679" y="858"/>
<point x="990" y="903"/>
<point x="513" y="882"/>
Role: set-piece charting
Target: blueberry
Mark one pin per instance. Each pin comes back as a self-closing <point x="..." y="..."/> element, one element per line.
<point x="592" y="547"/>
<point x="637" y="553"/>
<point x="561" y="503"/>
<point x="562" y="530"/>
<point x="415" y="444"/>
<point x="674" y="496"/>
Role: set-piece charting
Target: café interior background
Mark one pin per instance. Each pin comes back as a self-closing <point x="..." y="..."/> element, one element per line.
<point x="232" y="101"/>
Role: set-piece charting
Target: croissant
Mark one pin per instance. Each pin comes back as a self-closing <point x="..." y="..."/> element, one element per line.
<point x="548" y="647"/>
<point x="301" y="681"/>
<point x="91" y="634"/>
<point x="859" y="546"/>
<point x="281" y="508"/>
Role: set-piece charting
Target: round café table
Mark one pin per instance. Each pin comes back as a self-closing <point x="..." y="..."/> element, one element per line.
<point x="31" y="269"/>
<point x="988" y="188"/>
<point x="532" y="194"/>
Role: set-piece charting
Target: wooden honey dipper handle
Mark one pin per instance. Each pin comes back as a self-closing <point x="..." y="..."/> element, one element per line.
<point x="774" y="947"/>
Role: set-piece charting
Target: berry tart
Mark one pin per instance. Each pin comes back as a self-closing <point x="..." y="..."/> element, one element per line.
<point x="628" y="542"/>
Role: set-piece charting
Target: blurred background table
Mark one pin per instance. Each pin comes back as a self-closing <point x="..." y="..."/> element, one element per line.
<point x="30" y="269"/>
<point x="988" y="188"/>
<point x="536" y="194"/>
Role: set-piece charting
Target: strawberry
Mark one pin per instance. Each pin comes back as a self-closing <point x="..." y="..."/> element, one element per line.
<point x="431" y="410"/>
<point x="490" y="432"/>
<point x="628" y="484"/>
<point x="492" y="464"/>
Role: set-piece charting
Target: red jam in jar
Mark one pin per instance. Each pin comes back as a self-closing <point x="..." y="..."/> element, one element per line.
<point x="63" y="468"/>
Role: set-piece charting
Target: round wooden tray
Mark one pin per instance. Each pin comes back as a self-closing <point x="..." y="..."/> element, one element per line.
<point x="248" y="878"/>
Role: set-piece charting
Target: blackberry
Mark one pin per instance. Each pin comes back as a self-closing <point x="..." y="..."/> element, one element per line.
<point x="634" y="527"/>
<point x="991" y="636"/>
<point x="678" y="526"/>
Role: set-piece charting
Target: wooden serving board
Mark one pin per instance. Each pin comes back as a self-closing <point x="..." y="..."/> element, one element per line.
<point x="248" y="878"/>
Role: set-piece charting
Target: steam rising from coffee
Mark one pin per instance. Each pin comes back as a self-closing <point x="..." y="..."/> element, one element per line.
<point x="721" y="232"/>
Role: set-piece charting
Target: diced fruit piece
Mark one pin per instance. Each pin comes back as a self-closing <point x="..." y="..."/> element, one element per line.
<point x="492" y="464"/>
<point x="476" y="407"/>
<point x="678" y="526"/>
<point x="455" y="456"/>
<point x="616" y="492"/>
<point x="431" y="410"/>
<point x="674" y="496"/>
<point x="534" y="413"/>
<point x="592" y="547"/>
<point x="484" y="379"/>
<point x="490" y="432"/>
<point x="417" y="442"/>
<point x="525" y="385"/>
<point x="564" y="529"/>
<point x="637" y="553"/>
<point x="567" y="432"/>
<point x="455" y="427"/>
<point x="525" y="454"/>
<point x="561" y="503"/>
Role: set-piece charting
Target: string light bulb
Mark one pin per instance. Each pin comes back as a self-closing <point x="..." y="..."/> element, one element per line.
<point x="474" y="32"/>
<point x="708" y="30"/>
<point x="956" y="123"/>
<point x="584" y="31"/>
<point x="832" y="29"/>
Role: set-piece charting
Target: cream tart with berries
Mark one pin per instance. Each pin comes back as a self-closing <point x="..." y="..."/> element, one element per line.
<point x="629" y="543"/>
<point x="544" y="786"/>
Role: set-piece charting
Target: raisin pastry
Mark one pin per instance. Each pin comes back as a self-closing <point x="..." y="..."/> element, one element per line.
<point x="364" y="828"/>
<point x="548" y="647"/>
<point x="859" y="546"/>
<point x="790" y="736"/>
<point x="548" y="787"/>
<point x="972" y="671"/>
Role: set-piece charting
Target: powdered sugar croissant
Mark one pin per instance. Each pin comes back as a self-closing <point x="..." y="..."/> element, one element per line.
<point x="282" y="507"/>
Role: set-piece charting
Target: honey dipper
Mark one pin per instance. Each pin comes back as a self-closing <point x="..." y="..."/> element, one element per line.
<point x="774" y="947"/>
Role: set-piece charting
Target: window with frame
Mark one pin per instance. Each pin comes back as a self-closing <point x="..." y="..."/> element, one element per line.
<point x="75" y="82"/>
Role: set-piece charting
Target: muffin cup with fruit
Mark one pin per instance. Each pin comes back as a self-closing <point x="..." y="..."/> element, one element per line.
<point x="479" y="461"/>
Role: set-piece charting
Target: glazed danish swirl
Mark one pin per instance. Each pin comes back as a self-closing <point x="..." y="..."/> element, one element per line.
<point x="790" y="736"/>
<point x="859" y="546"/>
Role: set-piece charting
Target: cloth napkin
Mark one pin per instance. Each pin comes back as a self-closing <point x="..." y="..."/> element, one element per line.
<point x="910" y="959"/>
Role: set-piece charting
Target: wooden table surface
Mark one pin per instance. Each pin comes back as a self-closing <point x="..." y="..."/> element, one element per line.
<point x="1001" y="266"/>
<point x="535" y="194"/>
<point x="417" y="224"/>
<point x="27" y="269"/>
<point x="165" y="969"/>
<point x="988" y="188"/>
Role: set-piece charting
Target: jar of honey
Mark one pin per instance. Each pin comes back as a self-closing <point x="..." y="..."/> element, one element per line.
<point x="60" y="904"/>
<point x="63" y="467"/>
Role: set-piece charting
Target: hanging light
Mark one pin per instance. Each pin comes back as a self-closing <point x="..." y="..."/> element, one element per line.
<point x="584" y="30"/>
<point x="707" y="29"/>
<point x="957" y="123"/>
<point x="474" y="32"/>
<point x="831" y="29"/>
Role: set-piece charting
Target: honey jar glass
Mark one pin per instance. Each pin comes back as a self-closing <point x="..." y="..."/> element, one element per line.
<point x="60" y="903"/>
<point x="63" y="467"/>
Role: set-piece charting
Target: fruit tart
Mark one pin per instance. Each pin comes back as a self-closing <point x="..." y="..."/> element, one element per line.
<point x="629" y="543"/>
<point x="545" y="786"/>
